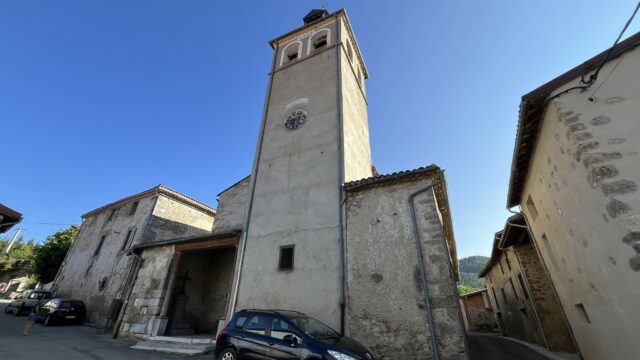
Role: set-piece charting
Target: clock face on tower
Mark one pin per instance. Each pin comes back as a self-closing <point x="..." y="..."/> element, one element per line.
<point x="295" y="120"/>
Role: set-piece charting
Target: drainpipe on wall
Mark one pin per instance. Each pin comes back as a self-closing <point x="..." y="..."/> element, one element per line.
<point x="423" y="274"/>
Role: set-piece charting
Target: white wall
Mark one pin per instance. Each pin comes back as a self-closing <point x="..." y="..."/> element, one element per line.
<point x="583" y="184"/>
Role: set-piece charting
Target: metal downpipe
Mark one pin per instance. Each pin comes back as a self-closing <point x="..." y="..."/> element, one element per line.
<point x="423" y="274"/>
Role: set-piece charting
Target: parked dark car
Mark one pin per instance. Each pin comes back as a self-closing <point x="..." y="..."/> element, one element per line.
<point x="27" y="301"/>
<point x="281" y="334"/>
<point x="59" y="311"/>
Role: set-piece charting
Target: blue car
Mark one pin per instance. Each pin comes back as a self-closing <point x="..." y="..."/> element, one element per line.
<point x="279" y="334"/>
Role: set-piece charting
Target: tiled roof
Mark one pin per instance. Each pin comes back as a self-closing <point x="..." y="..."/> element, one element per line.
<point x="532" y="108"/>
<point x="160" y="189"/>
<point x="390" y="178"/>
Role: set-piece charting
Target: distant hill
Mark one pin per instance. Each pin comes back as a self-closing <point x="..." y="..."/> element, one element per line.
<point x="469" y="269"/>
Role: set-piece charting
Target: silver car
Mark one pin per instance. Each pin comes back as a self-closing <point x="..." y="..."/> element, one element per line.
<point x="27" y="301"/>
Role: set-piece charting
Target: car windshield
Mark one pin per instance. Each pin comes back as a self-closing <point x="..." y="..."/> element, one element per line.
<point x="313" y="327"/>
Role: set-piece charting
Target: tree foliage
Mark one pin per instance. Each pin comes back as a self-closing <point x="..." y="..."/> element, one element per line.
<point x="469" y="269"/>
<point x="464" y="289"/>
<point x="19" y="257"/>
<point x="48" y="256"/>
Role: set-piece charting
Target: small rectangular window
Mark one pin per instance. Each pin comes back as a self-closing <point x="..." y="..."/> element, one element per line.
<point x="506" y="259"/>
<point x="501" y="268"/>
<point x="133" y="209"/>
<point x="286" y="258"/>
<point x="111" y="214"/>
<point x="583" y="313"/>
<point x="99" y="245"/>
<point x="532" y="208"/>
<point x="128" y="239"/>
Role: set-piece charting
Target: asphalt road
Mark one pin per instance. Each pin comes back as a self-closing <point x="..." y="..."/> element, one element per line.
<point x="492" y="347"/>
<point x="66" y="343"/>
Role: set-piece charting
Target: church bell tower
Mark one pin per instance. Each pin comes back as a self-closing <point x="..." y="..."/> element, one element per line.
<point x="314" y="137"/>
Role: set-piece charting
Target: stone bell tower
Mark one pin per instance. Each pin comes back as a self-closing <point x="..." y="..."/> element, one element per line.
<point x="314" y="136"/>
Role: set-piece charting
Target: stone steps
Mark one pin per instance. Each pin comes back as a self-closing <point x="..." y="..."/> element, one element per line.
<point x="175" y="345"/>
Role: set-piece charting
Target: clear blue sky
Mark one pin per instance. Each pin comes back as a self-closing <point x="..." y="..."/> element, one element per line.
<point x="103" y="99"/>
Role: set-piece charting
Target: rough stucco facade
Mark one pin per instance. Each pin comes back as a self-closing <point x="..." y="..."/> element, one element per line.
<point x="385" y="301"/>
<point x="580" y="197"/>
<point x="99" y="262"/>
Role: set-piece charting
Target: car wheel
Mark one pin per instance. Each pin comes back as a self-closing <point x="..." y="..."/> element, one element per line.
<point x="6" y="309"/>
<point x="47" y="321"/>
<point x="228" y="354"/>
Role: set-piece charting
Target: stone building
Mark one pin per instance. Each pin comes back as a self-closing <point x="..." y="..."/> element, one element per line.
<point x="313" y="228"/>
<point x="98" y="267"/>
<point x="575" y="176"/>
<point x="521" y="295"/>
<point x="477" y="312"/>
<point x="322" y="234"/>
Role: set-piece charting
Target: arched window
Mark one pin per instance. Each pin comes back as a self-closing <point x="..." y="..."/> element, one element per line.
<point x="320" y="39"/>
<point x="291" y="52"/>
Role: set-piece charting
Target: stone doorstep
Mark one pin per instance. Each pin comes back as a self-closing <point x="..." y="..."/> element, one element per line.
<point x="177" y="339"/>
<point x="188" y="352"/>
<point x="175" y="345"/>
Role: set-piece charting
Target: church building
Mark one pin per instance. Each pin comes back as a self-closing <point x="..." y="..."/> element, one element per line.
<point x="314" y="228"/>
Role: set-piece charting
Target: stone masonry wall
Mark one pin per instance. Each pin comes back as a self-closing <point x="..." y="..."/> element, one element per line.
<point x="478" y="316"/>
<point x="514" y="309"/>
<point x="547" y="306"/>
<point x="385" y="304"/>
<point x="98" y="279"/>
<point x="172" y="219"/>
<point x="232" y="204"/>
<point x="148" y="292"/>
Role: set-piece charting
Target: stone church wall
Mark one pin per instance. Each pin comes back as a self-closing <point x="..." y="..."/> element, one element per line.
<point x="172" y="219"/>
<point x="232" y="205"/>
<point x="99" y="279"/>
<point x="385" y="302"/>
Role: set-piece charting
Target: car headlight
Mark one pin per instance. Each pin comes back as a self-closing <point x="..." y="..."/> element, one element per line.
<point x="340" y="356"/>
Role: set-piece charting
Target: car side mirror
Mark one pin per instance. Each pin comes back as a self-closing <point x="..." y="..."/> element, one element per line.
<point x="292" y="340"/>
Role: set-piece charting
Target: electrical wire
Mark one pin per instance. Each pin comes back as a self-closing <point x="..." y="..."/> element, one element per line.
<point x="588" y="82"/>
<point x="44" y="223"/>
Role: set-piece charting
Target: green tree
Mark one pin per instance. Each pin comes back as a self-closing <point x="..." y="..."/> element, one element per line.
<point x="464" y="289"/>
<point x="48" y="256"/>
<point x="19" y="256"/>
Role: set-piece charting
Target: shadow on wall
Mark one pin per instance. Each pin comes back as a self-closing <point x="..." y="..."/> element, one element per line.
<point x="160" y="229"/>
